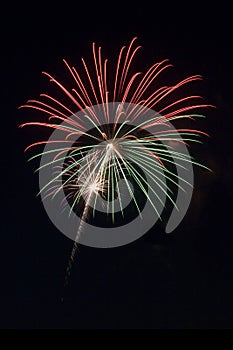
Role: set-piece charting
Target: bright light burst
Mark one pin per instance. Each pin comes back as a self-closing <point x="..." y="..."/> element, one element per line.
<point x="95" y="165"/>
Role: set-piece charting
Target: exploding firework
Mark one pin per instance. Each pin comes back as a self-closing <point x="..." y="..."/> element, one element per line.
<point x="121" y="141"/>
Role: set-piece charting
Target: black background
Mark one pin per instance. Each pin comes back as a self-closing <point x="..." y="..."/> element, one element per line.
<point x="183" y="280"/>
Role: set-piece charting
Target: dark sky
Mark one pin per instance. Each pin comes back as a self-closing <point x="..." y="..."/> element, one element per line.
<point x="183" y="280"/>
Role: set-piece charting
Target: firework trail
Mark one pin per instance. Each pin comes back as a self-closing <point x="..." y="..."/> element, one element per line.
<point x="75" y="246"/>
<point x="95" y="185"/>
<point x="131" y="95"/>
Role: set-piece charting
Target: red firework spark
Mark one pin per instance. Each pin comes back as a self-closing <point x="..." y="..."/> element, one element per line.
<point x="133" y="89"/>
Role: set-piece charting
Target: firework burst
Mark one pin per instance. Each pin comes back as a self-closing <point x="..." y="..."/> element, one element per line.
<point x="123" y="140"/>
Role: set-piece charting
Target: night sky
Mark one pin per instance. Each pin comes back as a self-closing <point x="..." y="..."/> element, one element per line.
<point x="178" y="281"/>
